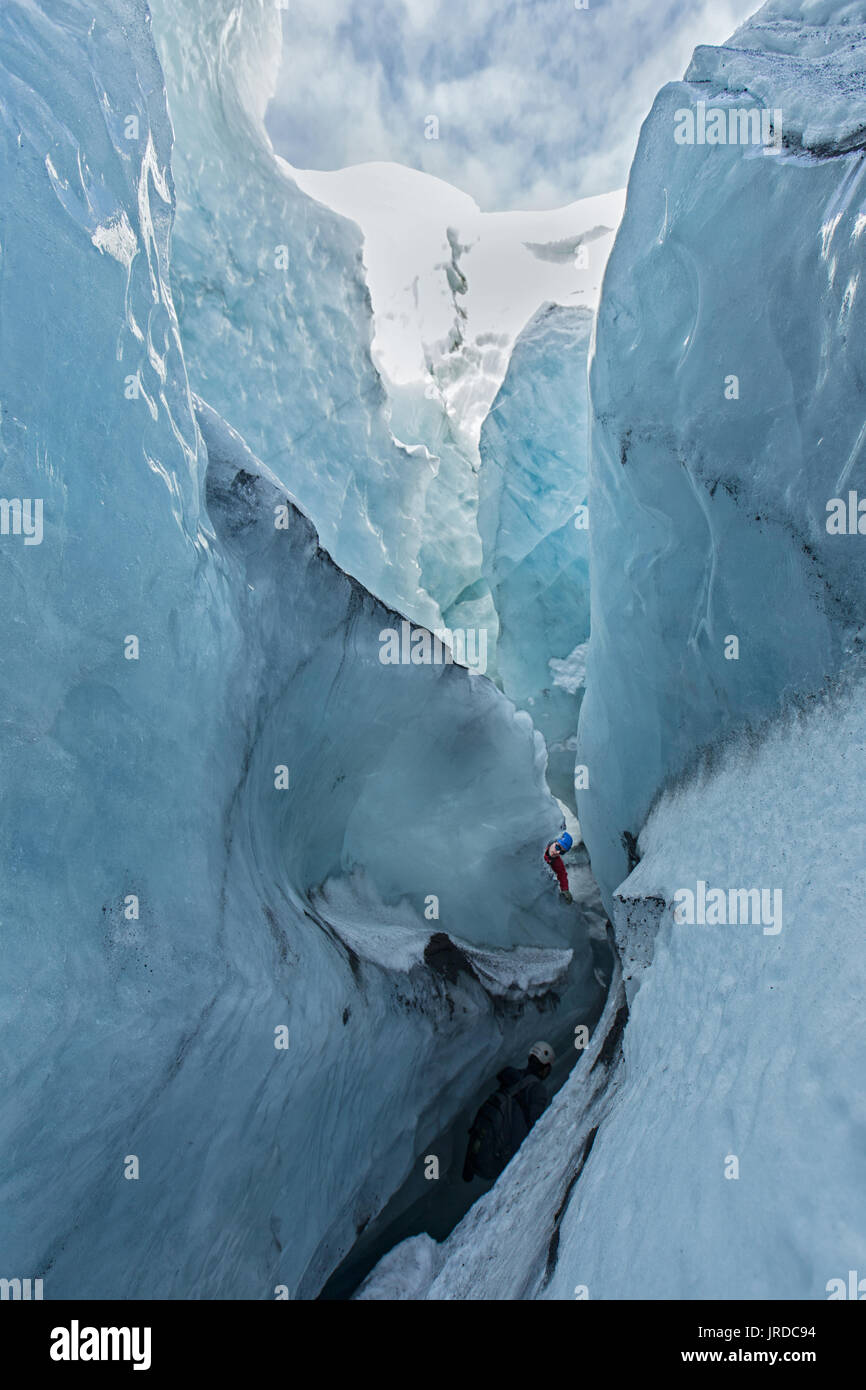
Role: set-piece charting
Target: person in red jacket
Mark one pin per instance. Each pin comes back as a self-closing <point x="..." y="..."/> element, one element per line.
<point x="553" y="858"/>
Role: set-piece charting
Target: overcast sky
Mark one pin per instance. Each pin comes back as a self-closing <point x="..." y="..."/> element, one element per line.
<point x="538" y="102"/>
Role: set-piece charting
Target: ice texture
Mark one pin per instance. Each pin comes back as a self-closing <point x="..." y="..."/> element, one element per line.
<point x="274" y="308"/>
<point x="164" y="899"/>
<point x="806" y="59"/>
<point x="708" y="512"/>
<point x="532" y="481"/>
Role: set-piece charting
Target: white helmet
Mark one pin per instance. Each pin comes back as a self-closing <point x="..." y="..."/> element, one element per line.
<point x="543" y="1052"/>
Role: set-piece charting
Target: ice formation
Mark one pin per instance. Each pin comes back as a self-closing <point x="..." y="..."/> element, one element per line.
<point x="275" y="312"/>
<point x="533" y="520"/>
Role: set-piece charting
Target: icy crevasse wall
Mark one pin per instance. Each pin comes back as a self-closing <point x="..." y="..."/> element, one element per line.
<point x="708" y="495"/>
<point x="745" y="1041"/>
<point x="114" y="769"/>
<point x="384" y="759"/>
<point x="275" y="312"/>
<point x="153" y="777"/>
<point x="533" y="523"/>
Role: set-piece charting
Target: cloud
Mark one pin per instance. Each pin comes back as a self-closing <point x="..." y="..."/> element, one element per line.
<point x="538" y="103"/>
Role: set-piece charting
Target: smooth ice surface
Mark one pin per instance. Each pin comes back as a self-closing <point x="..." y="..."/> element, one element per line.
<point x="708" y="513"/>
<point x="147" y="780"/>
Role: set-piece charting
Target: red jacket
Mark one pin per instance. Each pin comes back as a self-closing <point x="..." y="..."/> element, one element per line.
<point x="558" y="868"/>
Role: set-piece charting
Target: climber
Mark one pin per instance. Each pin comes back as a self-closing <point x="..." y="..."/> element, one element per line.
<point x="507" y="1116"/>
<point x="553" y="858"/>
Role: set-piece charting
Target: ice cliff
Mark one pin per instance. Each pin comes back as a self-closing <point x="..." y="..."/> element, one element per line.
<point x="727" y="411"/>
<point x="270" y="291"/>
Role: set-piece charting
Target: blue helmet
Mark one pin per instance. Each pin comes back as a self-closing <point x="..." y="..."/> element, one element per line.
<point x="565" y="842"/>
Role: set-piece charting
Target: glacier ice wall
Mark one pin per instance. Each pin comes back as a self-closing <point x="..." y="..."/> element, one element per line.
<point x="275" y="312"/>
<point x="383" y="759"/>
<point x="727" y="410"/>
<point x="165" y="904"/>
<point x="451" y="289"/>
<point x="115" y="768"/>
<point x="532" y="518"/>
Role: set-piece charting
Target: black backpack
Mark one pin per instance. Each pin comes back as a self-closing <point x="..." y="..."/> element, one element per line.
<point x="498" y="1130"/>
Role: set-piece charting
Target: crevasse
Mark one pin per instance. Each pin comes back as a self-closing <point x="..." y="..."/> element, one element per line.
<point x="226" y="1038"/>
<point x="721" y="1156"/>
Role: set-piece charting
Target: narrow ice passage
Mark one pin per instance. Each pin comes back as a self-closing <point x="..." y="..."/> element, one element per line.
<point x="227" y="820"/>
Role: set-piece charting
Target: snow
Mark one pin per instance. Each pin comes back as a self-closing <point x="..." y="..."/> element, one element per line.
<point x="448" y="281"/>
<point x="404" y="1274"/>
<point x="741" y="1043"/>
<point x="570" y="673"/>
<point x="395" y="938"/>
<point x="805" y="59"/>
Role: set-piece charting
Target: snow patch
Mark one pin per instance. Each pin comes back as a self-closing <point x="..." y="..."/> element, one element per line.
<point x="570" y="672"/>
<point x="117" y="238"/>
